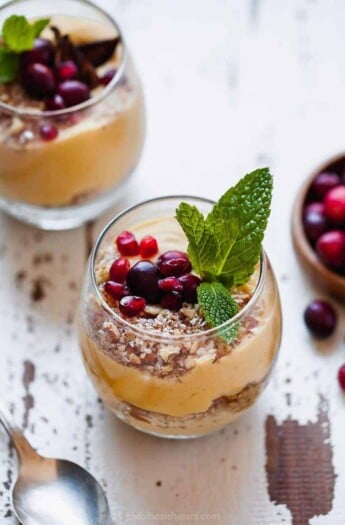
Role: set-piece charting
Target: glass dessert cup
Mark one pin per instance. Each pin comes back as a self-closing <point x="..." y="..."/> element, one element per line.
<point x="175" y="383"/>
<point x="65" y="182"/>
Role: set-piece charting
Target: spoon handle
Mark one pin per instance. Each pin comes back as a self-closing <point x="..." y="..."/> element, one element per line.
<point x="22" y="446"/>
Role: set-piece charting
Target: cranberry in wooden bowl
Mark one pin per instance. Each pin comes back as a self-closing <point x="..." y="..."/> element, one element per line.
<point x="318" y="227"/>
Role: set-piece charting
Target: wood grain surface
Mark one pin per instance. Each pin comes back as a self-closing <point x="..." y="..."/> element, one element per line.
<point x="229" y="86"/>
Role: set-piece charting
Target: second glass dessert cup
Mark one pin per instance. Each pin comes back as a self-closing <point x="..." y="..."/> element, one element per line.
<point x="65" y="182"/>
<point x="176" y="385"/>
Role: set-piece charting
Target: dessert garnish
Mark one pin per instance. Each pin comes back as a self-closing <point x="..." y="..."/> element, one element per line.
<point x="223" y="252"/>
<point x="18" y="36"/>
<point x="224" y="248"/>
<point x="56" y="70"/>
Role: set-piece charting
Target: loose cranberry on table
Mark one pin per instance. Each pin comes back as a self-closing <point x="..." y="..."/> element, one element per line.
<point x="42" y="53"/>
<point x="67" y="70"/>
<point x="314" y="221"/>
<point x="335" y="205"/>
<point x="119" y="270"/>
<point x="38" y="80"/>
<point x="341" y="377"/>
<point x="127" y="244"/>
<point x="132" y="305"/>
<point x="330" y="247"/>
<point x="116" y="290"/>
<point x="148" y="247"/>
<point x="323" y="183"/>
<point x="320" y="318"/>
<point x="73" y="92"/>
<point x="174" y="263"/>
<point x="143" y="279"/>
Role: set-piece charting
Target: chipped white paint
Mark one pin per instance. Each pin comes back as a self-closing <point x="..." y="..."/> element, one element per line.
<point x="229" y="86"/>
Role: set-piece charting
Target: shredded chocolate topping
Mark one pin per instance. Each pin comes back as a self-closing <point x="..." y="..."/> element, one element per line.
<point x="87" y="56"/>
<point x="98" y="53"/>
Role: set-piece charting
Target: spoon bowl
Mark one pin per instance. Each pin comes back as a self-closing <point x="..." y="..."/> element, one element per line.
<point x="58" y="492"/>
<point x="53" y="491"/>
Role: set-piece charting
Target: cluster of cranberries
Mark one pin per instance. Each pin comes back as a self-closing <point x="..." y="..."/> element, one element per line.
<point x="324" y="219"/>
<point x="167" y="281"/>
<point x="321" y="320"/>
<point x="58" y="85"/>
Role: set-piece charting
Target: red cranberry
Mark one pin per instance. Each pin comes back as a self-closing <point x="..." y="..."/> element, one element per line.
<point x="314" y="221"/>
<point x="38" y="80"/>
<point x="132" y="305"/>
<point x="54" y="103"/>
<point x="335" y="205"/>
<point x="341" y="377"/>
<point x="127" y="244"/>
<point x="116" y="290"/>
<point x="174" y="267"/>
<point x="107" y="77"/>
<point x="190" y="284"/>
<point x="170" y="284"/>
<point x="148" y="247"/>
<point x="323" y="183"/>
<point x="320" y="318"/>
<point x="48" y="132"/>
<point x="173" y="254"/>
<point x="331" y="248"/>
<point x="73" y="92"/>
<point x="174" y="263"/>
<point x="119" y="270"/>
<point x="317" y="207"/>
<point x="67" y="70"/>
<point x="171" y="301"/>
<point x="143" y="278"/>
<point x="42" y="53"/>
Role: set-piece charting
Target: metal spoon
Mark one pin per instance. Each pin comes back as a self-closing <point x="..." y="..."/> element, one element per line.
<point x="53" y="491"/>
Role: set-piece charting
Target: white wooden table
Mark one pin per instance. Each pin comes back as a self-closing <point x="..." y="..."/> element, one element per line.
<point x="230" y="86"/>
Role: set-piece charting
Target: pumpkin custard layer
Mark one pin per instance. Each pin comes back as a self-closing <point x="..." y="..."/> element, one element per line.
<point x="162" y="370"/>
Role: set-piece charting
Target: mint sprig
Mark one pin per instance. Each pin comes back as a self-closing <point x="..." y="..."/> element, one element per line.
<point x="249" y="204"/>
<point x="202" y="244"/>
<point x="225" y="247"/>
<point x="218" y="307"/>
<point x="18" y="35"/>
<point x="9" y="65"/>
<point x="39" y="25"/>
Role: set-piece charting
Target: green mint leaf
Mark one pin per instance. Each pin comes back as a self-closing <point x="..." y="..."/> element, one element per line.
<point x="39" y="25"/>
<point x="202" y="245"/>
<point x="18" y="34"/>
<point x="249" y="201"/>
<point x="225" y="227"/>
<point x="9" y="65"/>
<point x="217" y="307"/>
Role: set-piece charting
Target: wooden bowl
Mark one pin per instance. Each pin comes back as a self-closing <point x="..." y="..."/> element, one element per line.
<point x="321" y="276"/>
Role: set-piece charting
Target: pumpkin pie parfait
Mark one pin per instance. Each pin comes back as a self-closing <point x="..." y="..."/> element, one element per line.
<point x="180" y="319"/>
<point x="72" y="118"/>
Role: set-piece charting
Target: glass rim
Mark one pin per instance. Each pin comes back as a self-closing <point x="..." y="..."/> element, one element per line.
<point x="36" y="113"/>
<point x="159" y="337"/>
